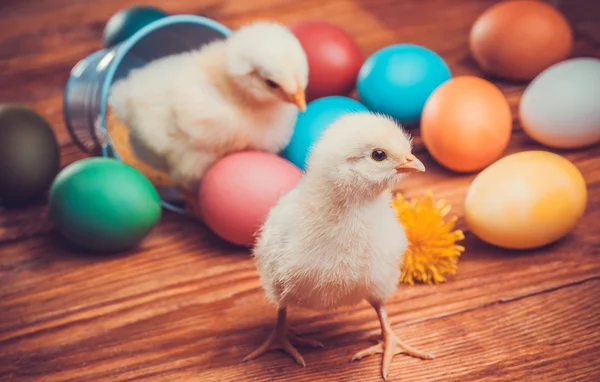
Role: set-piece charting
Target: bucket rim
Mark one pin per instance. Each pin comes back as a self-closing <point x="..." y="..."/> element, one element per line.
<point x="89" y="59"/>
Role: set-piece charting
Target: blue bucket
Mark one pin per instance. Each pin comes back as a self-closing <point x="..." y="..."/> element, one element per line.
<point x="88" y="86"/>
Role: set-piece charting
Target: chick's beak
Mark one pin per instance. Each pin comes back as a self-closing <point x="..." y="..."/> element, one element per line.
<point x="299" y="99"/>
<point x="412" y="165"/>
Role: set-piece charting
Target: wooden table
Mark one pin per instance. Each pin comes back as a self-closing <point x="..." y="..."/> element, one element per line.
<point x="186" y="306"/>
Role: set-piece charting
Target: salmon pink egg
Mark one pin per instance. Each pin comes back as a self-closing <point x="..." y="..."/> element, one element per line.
<point x="238" y="191"/>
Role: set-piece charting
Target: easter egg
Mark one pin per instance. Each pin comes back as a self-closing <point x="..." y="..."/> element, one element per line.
<point x="526" y="200"/>
<point x="518" y="39"/>
<point x="127" y="22"/>
<point x="398" y="79"/>
<point x="238" y="191"/>
<point x="334" y="58"/>
<point x="466" y="124"/>
<point x="29" y="155"/>
<point x="310" y="125"/>
<point x="104" y="205"/>
<point x="561" y="107"/>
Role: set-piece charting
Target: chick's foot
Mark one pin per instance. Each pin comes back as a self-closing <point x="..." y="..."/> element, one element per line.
<point x="282" y="338"/>
<point x="389" y="345"/>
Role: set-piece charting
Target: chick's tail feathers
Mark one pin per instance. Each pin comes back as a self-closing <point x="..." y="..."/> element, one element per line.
<point x="119" y="135"/>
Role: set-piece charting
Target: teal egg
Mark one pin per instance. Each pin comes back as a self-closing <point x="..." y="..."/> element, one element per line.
<point x="103" y="205"/>
<point x="398" y="79"/>
<point x="310" y="124"/>
<point x="127" y="22"/>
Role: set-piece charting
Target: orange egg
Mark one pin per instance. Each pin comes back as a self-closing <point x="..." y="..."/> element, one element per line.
<point x="466" y="124"/>
<point x="519" y="39"/>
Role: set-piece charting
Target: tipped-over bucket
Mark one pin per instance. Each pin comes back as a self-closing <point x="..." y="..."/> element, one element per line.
<point x="88" y="87"/>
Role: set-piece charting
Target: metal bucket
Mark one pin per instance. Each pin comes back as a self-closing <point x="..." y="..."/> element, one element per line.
<point x="88" y="86"/>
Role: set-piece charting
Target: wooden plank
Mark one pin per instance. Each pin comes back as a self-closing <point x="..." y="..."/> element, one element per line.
<point x="547" y="335"/>
<point x="186" y="305"/>
<point x="520" y="340"/>
<point x="181" y="291"/>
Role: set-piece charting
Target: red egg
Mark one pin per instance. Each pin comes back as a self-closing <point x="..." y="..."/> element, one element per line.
<point x="238" y="191"/>
<point x="334" y="58"/>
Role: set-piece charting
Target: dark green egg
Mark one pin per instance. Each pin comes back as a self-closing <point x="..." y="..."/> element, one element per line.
<point x="29" y="155"/>
<point x="103" y="205"/>
<point x="126" y="22"/>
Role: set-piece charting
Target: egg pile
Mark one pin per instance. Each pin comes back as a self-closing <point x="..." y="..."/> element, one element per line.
<point x="98" y="204"/>
<point x="533" y="198"/>
<point x="524" y="200"/>
<point x="395" y="80"/>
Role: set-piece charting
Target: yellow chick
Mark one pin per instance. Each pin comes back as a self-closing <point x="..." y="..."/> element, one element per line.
<point x="334" y="240"/>
<point x="191" y="109"/>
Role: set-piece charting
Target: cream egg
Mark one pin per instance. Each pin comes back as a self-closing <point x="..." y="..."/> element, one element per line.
<point x="561" y="107"/>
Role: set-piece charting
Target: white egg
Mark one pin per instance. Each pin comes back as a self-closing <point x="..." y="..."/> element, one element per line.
<point x="561" y="106"/>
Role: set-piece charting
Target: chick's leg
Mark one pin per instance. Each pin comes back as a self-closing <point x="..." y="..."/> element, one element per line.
<point x="390" y="345"/>
<point x="281" y="338"/>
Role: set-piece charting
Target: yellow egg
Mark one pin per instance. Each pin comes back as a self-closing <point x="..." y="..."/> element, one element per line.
<point x="526" y="200"/>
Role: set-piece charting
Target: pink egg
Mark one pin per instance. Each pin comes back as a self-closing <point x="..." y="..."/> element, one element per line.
<point x="238" y="191"/>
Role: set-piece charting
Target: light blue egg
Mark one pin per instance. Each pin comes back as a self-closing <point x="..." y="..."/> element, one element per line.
<point x="398" y="79"/>
<point x="319" y="114"/>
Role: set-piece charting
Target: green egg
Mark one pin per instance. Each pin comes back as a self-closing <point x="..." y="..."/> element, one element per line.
<point x="103" y="205"/>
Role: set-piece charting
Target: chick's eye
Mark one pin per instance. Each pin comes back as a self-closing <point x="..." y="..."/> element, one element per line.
<point x="378" y="155"/>
<point x="272" y="84"/>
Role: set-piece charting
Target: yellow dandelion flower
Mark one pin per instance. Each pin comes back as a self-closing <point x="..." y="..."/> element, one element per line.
<point x="432" y="253"/>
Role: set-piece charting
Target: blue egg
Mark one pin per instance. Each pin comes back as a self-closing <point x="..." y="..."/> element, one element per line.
<point x="398" y="79"/>
<point x="319" y="114"/>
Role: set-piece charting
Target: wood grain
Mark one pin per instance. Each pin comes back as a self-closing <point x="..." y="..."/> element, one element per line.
<point x="186" y="306"/>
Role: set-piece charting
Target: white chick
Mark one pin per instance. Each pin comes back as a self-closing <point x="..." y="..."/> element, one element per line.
<point x="233" y="94"/>
<point x="334" y="240"/>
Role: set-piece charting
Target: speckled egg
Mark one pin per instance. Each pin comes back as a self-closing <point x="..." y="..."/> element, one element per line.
<point x="103" y="205"/>
<point x="526" y="200"/>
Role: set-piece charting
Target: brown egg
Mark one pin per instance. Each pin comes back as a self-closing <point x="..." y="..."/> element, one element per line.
<point x="517" y="40"/>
